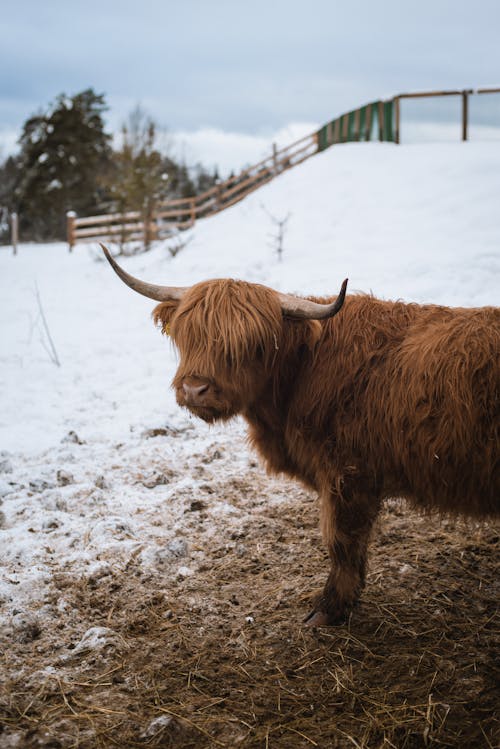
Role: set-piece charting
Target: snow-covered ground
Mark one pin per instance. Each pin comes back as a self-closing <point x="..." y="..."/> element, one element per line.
<point x="83" y="481"/>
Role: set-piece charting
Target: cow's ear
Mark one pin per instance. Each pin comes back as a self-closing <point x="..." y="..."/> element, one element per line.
<point x="313" y="330"/>
<point x="163" y="314"/>
<point x="300" y="333"/>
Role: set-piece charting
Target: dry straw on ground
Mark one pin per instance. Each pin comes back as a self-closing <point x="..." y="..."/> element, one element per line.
<point x="221" y="659"/>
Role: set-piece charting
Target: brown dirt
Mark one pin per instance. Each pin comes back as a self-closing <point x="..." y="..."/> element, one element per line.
<point x="221" y="659"/>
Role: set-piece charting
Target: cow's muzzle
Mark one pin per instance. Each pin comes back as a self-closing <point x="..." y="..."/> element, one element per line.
<point x="195" y="395"/>
<point x="204" y="399"/>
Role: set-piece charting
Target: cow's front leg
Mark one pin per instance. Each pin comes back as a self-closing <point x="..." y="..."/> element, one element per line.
<point x="347" y="518"/>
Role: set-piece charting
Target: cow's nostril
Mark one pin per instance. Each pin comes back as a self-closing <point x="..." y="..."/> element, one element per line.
<point x="193" y="392"/>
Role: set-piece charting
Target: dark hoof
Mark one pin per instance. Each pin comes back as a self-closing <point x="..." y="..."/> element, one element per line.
<point x="324" y="615"/>
<point x="317" y="619"/>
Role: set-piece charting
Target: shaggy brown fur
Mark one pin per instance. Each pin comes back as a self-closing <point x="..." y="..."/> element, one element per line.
<point x="384" y="400"/>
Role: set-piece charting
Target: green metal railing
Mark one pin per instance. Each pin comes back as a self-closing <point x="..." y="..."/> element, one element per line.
<point x="372" y="121"/>
<point x="380" y="120"/>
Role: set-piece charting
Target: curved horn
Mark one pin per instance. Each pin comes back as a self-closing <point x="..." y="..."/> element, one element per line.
<point x="304" y="309"/>
<point x="151" y="290"/>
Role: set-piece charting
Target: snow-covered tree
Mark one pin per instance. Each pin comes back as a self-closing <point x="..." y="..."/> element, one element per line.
<point x="66" y="162"/>
<point x="64" y="156"/>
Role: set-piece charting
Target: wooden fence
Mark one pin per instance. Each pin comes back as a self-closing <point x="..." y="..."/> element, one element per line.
<point x="463" y="93"/>
<point x="182" y="213"/>
<point x="113" y="227"/>
<point x="380" y="120"/>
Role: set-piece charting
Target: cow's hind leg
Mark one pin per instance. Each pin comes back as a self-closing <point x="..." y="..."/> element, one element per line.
<point x="346" y="519"/>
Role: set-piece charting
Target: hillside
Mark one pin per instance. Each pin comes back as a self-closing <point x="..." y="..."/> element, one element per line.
<point x="104" y="480"/>
<point x="409" y="222"/>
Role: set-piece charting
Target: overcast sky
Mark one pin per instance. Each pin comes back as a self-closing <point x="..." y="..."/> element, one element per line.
<point x="244" y="66"/>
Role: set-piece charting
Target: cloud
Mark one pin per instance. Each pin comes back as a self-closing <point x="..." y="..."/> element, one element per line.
<point x="232" y="151"/>
<point x="240" y="67"/>
<point x="8" y="142"/>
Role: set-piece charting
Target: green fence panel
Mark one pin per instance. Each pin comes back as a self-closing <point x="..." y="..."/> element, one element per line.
<point x="322" y="140"/>
<point x="343" y="129"/>
<point x="372" y="115"/>
<point x="351" y="126"/>
<point x="336" y="131"/>
<point x="388" y="125"/>
<point x="342" y="137"/>
<point x="362" y="122"/>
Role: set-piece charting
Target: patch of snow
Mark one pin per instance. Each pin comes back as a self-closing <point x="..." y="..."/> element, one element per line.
<point x="99" y="466"/>
<point x="157" y="725"/>
<point x="185" y="572"/>
<point x="95" y="638"/>
<point x="54" y="184"/>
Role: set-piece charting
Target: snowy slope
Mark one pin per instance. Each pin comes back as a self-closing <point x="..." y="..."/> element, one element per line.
<point x="411" y="222"/>
<point x="421" y="223"/>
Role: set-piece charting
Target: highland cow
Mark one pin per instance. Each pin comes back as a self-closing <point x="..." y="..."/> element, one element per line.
<point x="385" y="399"/>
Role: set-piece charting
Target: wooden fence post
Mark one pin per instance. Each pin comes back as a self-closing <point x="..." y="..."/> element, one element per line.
<point x="336" y="130"/>
<point x="14" y="231"/>
<point x="149" y="226"/>
<point x="70" y="229"/>
<point x="328" y="134"/>
<point x="218" y="195"/>
<point x="357" y="117"/>
<point x="344" y="128"/>
<point x="397" y="119"/>
<point x="275" y="159"/>
<point x="465" y="114"/>
<point x="146" y="233"/>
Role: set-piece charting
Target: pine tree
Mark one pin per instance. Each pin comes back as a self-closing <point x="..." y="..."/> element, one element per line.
<point x="66" y="163"/>
<point x="65" y="154"/>
<point x="9" y="178"/>
<point x="204" y="179"/>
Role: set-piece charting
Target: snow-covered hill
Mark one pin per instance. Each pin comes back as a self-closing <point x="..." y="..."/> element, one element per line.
<point x="420" y="223"/>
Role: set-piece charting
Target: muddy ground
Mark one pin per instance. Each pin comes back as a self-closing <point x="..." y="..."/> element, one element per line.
<point x="217" y="656"/>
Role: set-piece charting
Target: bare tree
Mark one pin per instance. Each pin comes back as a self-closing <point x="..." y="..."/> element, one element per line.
<point x="279" y="236"/>
<point x="140" y="177"/>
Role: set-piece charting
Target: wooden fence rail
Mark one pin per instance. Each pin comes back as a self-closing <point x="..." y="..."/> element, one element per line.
<point x="463" y="93"/>
<point x="380" y="120"/>
<point x="182" y="213"/>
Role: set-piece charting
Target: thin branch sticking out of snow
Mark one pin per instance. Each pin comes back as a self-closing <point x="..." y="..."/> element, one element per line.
<point x="49" y="347"/>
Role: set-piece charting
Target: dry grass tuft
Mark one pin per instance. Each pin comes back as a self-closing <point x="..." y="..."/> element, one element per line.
<point x="221" y="659"/>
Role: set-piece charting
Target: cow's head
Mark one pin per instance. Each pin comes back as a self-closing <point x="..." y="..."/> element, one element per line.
<point x="231" y="336"/>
